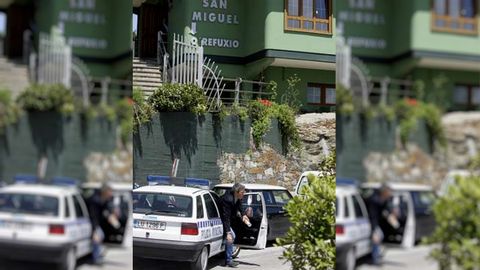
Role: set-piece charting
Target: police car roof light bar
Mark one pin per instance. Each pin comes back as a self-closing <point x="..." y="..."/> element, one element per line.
<point x="25" y="179"/>
<point x="158" y="180"/>
<point x="197" y="182"/>
<point x="64" y="181"/>
<point x="346" y="182"/>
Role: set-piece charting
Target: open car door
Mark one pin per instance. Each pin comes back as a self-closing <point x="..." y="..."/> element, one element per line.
<point x="255" y="236"/>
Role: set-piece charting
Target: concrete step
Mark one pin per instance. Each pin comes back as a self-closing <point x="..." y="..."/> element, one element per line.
<point x="140" y="65"/>
<point x="147" y="80"/>
<point x="147" y="75"/>
<point x="13" y="76"/>
<point x="147" y="84"/>
<point x="147" y="90"/>
<point x="146" y="69"/>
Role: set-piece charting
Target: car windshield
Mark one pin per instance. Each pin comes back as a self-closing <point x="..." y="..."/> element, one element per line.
<point x="29" y="204"/>
<point x="162" y="204"/>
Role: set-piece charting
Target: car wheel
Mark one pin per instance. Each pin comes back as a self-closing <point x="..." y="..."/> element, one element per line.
<point x="70" y="260"/>
<point x="202" y="261"/>
<point x="235" y="252"/>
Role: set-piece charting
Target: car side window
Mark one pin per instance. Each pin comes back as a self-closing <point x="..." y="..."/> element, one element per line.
<point x="211" y="209"/>
<point x="67" y="208"/>
<point x="346" y="209"/>
<point x="358" y="209"/>
<point x="199" y="207"/>
<point x="336" y="206"/>
<point x="268" y="197"/>
<point x="78" y="207"/>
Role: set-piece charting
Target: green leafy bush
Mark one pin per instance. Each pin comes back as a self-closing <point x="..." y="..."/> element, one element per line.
<point x="311" y="238"/>
<point x="458" y="226"/>
<point x="290" y="96"/>
<point x="47" y="97"/>
<point x="179" y="98"/>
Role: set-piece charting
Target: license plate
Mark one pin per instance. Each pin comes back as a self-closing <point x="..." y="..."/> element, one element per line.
<point x="150" y="225"/>
<point x="15" y="225"/>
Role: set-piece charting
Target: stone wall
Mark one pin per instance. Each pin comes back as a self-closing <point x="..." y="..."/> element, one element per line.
<point x="110" y="167"/>
<point x="462" y="130"/>
<point x="267" y="166"/>
<point x="412" y="164"/>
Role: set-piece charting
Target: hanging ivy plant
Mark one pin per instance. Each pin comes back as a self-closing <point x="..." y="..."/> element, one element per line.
<point x="142" y="111"/>
<point x="409" y="111"/>
<point x="124" y="113"/>
<point x="344" y="101"/>
<point x="9" y="111"/>
<point x="262" y="111"/>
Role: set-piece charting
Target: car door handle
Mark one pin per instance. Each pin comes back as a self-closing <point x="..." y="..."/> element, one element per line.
<point x="281" y="212"/>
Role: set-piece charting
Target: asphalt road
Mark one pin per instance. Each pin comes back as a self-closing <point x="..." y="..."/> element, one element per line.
<point x="405" y="259"/>
<point x="266" y="259"/>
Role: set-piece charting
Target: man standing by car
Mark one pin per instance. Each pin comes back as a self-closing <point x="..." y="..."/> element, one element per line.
<point x="232" y="209"/>
<point x="98" y="209"/>
<point x="378" y="207"/>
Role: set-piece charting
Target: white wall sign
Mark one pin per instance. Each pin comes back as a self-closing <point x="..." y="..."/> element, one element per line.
<point x="83" y="13"/>
<point x="363" y="12"/>
<point x="219" y="42"/>
<point x="218" y="17"/>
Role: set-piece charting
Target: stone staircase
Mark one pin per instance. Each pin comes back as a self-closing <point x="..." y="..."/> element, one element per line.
<point x="13" y="76"/>
<point x="146" y="75"/>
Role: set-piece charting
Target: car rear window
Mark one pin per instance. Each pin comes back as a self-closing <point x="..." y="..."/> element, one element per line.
<point x="29" y="204"/>
<point x="281" y="196"/>
<point x="423" y="199"/>
<point x="162" y="204"/>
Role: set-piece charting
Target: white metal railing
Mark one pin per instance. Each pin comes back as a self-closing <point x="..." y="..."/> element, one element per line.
<point x="54" y="60"/>
<point x="187" y="62"/>
<point x="343" y="59"/>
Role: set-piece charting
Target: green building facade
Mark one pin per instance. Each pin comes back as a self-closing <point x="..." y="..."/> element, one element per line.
<point x="97" y="31"/>
<point x="255" y="40"/>
<point x="436" y="42"/>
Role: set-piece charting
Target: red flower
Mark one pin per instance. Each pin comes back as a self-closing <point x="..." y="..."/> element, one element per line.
<point x="265" y="102"/>
<point x="130" y="101"/>
<point x="411" y="101"/>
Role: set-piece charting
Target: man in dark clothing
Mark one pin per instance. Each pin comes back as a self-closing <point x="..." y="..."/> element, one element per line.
<point x="232" y="209"/>
<point x="378" y="208"/>
<point x="98" y="209"/>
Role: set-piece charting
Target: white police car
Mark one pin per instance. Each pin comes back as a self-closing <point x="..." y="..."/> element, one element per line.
<point x="303" y="180"/>
<point x="353" y="227"/>
<point x="176" y="223"/>
<point x="44" y="223"/>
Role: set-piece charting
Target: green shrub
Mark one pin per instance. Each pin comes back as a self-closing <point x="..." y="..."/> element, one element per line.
<point x="179" y="98"/>
<point x="311" y="238"/>
<point x="47" y="97"/>
<point x="458" y="226"/>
